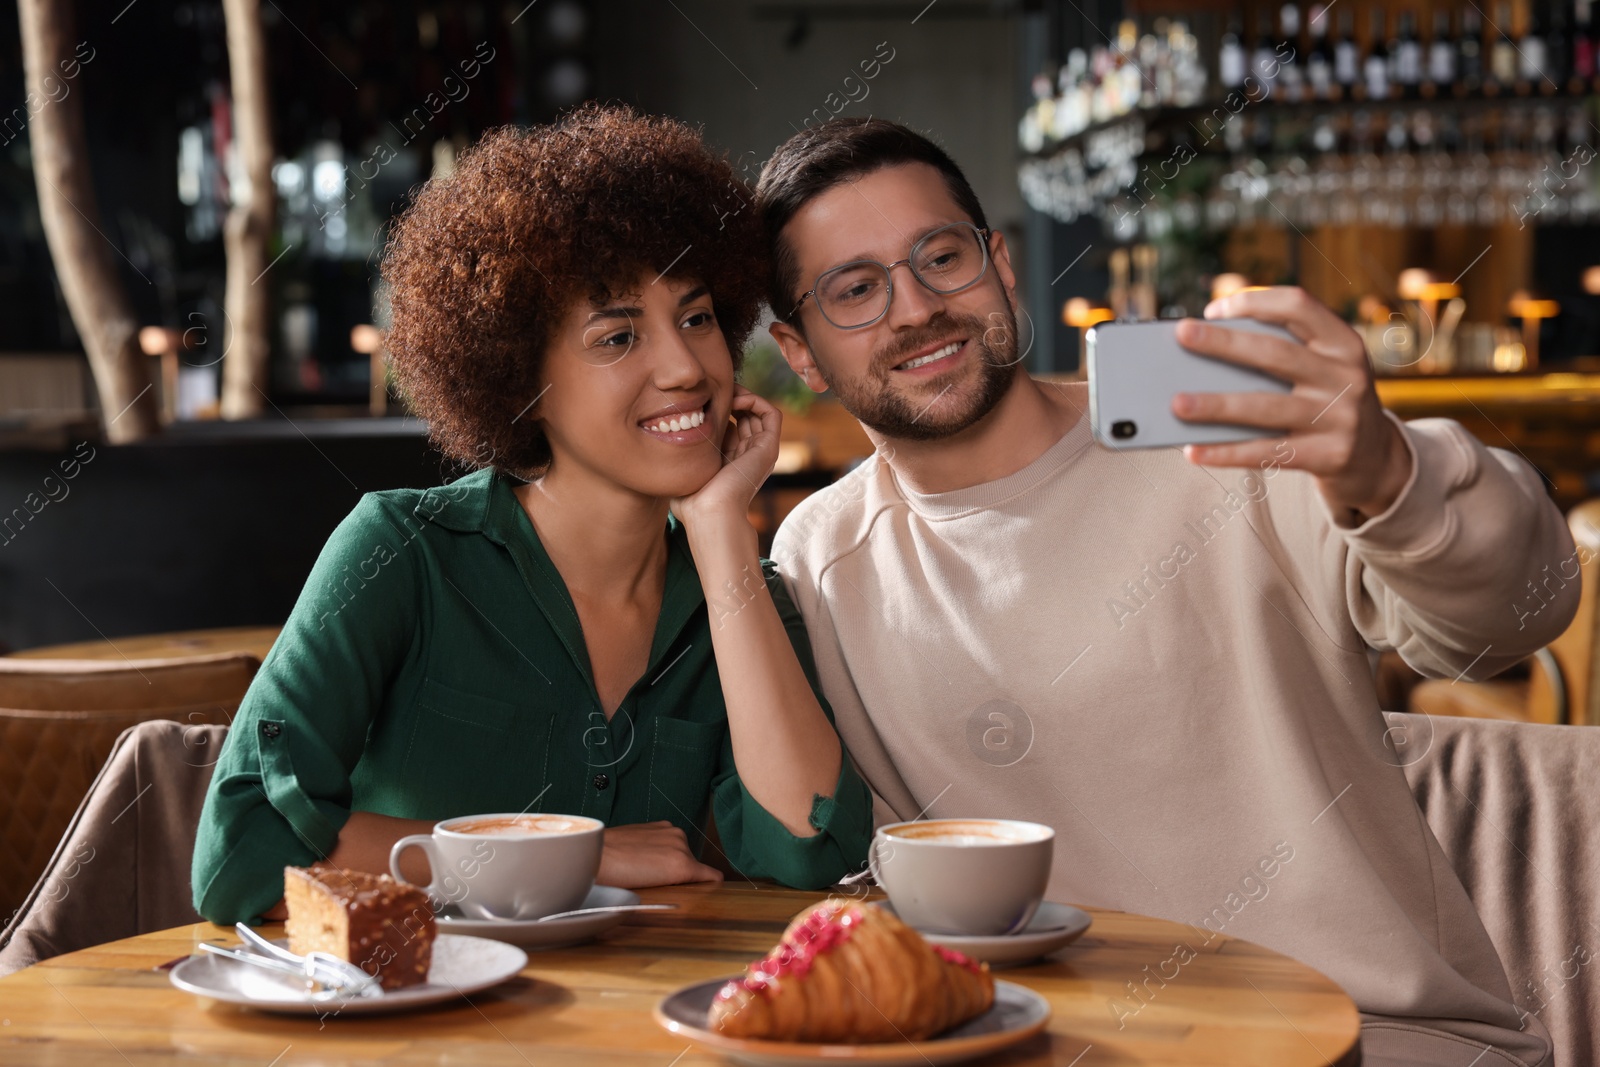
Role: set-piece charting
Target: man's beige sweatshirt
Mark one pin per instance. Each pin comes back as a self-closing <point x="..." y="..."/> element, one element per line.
<point x="1168" y="664"/>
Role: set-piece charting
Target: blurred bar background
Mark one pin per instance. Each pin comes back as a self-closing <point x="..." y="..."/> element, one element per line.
<point x="1425" y="168"/>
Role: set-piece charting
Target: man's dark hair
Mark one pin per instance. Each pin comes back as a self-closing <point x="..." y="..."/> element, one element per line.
<point x="820" y="157"/>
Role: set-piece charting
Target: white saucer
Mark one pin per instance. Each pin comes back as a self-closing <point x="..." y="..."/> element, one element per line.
<point x="460" y="965"/>
<point x="531" y="933"/>
<point x="1052" y="926"/>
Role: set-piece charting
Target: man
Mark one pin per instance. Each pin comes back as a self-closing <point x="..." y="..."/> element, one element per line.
<point x="1161" y="654"/>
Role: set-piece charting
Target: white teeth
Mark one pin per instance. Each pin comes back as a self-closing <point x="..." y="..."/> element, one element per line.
<point x="947" y="350"/>
<point x="677" y="423"/>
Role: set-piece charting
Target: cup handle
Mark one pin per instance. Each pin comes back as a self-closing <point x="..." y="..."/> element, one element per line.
<point x="424" y="842"/>
<point x="872" y="857"/>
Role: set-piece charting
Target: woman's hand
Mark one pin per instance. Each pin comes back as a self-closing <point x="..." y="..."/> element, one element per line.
<point x="650" y="853"/>
<point x="749" y="449"/>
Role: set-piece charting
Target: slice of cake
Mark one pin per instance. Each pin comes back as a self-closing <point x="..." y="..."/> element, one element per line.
<point x="383" y="926"/>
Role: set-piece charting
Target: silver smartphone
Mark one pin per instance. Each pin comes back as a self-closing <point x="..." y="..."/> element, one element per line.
<point x="1136" y="368"/>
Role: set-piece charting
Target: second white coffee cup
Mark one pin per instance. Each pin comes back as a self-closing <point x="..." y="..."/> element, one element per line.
<point x="981" y="877"/>
<point x="521" y="866"/>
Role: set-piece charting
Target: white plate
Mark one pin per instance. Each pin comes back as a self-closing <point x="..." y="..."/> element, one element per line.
<point x="1052" y="926"/>
<point x="460" y="965"/>
<point x="1017" y="1014"/>
<point x="531" y="933"/>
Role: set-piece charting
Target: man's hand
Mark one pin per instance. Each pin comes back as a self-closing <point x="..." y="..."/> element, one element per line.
<point x="1335" y="425"/>
<point x="650" y="853"/>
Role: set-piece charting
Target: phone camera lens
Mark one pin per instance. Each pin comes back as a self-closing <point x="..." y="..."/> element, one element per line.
<point x="1123" y="429"/>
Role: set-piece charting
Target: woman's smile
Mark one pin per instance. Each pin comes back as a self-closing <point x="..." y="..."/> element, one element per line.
<point x="680" y="423"/>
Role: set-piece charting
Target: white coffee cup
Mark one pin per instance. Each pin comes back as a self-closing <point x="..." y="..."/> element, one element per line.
<point x="981" y="877"/>
<point x="521" y="866"/>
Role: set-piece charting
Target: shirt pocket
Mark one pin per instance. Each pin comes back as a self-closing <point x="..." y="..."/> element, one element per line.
<point x="683" y="760"/>
<point x="460" y="744"/>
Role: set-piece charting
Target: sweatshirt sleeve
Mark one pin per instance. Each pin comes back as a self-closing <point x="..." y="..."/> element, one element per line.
<point x="280" y="793"/>
<point x="1471" y="569"/>
<point x="761" y="846"/>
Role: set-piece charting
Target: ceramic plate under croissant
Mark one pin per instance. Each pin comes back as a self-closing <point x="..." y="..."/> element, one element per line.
<point x="849" y="981"/>
<point x="1017" y="1015"/>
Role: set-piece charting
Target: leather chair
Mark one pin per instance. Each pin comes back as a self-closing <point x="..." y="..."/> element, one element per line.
<point x="59" y="720"/>
<point x="1560" y="684"/>
<point x="122" y="867"/>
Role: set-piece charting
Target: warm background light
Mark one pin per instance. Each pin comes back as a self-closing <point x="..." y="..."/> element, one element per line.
<point x="1080" y="313"/>
<point x="1414" y="282"/>
<point x="1228" y="284"/>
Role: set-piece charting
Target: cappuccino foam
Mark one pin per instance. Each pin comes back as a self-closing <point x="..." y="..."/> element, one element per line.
<point x="520" y="824"/>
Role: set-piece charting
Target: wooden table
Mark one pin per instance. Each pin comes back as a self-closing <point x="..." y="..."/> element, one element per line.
<point x="1234" y="1004"/>
<point x="253" y="639"/>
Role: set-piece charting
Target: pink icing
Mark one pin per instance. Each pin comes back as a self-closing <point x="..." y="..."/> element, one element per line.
<point x="822" y="930"/>
<point x="950" y="955"/>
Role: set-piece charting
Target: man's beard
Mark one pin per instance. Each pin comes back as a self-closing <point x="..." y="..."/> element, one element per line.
<point x="873" y="401"/>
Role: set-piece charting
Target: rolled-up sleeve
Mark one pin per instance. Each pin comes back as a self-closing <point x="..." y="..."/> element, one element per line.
<point x="281" y="792"/>
<point x="758" y="844"/>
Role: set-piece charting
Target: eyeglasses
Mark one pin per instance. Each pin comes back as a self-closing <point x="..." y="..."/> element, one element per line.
<point x="857" y="294"/>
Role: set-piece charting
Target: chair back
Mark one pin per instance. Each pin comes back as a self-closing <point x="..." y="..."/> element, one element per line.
<point x="122" y="867"/>
<point x="172" y="685"/>
<point x="59" y="720"/>
<point x="1513" y="808"/>
<point x="1575" y="652"/>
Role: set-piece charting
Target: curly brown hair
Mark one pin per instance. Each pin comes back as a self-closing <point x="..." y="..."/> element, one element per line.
<point x="485" y="262"/>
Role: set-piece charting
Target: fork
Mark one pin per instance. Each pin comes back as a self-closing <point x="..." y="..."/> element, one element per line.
<point x="325" y="969"/>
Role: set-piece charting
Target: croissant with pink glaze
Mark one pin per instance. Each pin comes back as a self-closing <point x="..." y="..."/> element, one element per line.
<point x="847" y="972"/>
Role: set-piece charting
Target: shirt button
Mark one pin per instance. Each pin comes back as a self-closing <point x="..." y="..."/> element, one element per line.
<point x="270" y="730"/>
<point x="601" y="781"/>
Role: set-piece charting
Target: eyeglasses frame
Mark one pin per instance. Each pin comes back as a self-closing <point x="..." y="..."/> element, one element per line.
<point x="983" y="232"/>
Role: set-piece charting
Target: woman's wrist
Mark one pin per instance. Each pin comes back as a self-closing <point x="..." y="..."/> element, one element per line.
<point x="724" y="540"/>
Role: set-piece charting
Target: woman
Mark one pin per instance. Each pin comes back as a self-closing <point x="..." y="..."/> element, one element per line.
<point x="542" y="634"/>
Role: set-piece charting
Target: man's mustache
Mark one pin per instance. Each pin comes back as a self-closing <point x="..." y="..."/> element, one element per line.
<point x="944" y="328"/>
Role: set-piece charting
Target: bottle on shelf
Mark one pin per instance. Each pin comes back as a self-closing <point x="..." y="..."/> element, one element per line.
<point x="1405" y="57"/>
<point x="1319" y="58"/>
<point x="1156" y="64"/>
<point x="1072" y="110"/>
<point x="1441" y="57"/>
<point x="1346" y="56"/>
<point x="1263" y="61"/>
<point x="1469" y="54"/>
<point x="1036" y="122"/>
<point x="1557" y="54"/>
<point x="1291" y="69"/>
<point x="1502" y="74"/>
<point x="1189" y="73"/>
<point x="1375" y="70"/>
<point x="1532" y="54"/>
<point x="1232" y="64"/>
<point x="1130" y="80"/>
<point x="1583" y="50"/>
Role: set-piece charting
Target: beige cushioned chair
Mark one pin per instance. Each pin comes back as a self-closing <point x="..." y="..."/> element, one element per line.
<point x="1514" y="808"/>
<point x="122" y="868"/>
<point x="58" y="722"/>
